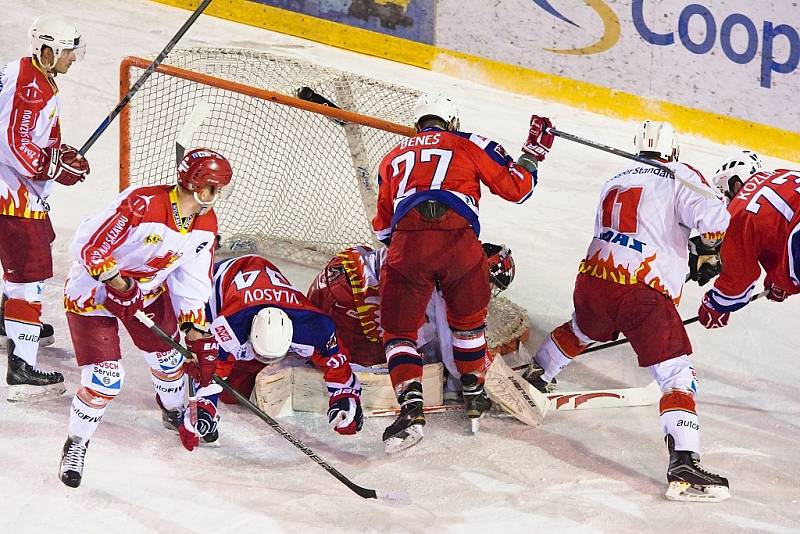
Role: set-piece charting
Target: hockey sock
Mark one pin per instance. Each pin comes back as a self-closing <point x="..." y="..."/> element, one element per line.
<point x="23" y="324"/>
<point x="469" y="352"/>
<point x="560" y="347"/>
<point x="679" y="419"/>
<point x="100" y="383"/>
<point x="166" y="373"/>
<point x="405" y="363"/>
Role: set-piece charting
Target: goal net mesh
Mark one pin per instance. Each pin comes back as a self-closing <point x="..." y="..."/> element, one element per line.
<point x="304" y="184"/>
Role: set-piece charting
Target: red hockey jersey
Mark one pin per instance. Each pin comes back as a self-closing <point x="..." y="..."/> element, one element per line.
<point x="448" y="167"/>
<point x="764" y="233"/>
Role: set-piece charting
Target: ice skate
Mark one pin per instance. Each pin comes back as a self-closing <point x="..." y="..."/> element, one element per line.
<point x="27" y="383"/>
<point x="533" y="374"/>
<point x="689" y="481"/>
<point x="476" y="402"/>
<point x="406" y="431"/>
<point x="70" y="470"/>
<point x="172" y="419"/>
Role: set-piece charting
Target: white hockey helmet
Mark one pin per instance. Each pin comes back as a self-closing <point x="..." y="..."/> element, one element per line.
<point x="58" y="34"/>
<point x="271" y="334"/>
<point x="738" y="168"/>
<point x="437" y="105"/>
<point x="658" y="138"/>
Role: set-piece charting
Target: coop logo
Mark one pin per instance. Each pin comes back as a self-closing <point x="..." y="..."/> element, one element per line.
<point x="611" y="28"/>
<point x="739" y="37"/>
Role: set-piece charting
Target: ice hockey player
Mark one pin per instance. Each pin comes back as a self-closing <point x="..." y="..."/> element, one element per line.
<point x="764" y="233"/>
<point x="258" y="317"/>
<point x="630" y="282"/>
<point x="428" y="194"/>
<point x="32" y="157"/>
<point x="151" y="250"/>
<point x="348" y="288"/>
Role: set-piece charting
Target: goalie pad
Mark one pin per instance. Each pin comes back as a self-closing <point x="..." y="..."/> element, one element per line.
<point x="281" y="390"/>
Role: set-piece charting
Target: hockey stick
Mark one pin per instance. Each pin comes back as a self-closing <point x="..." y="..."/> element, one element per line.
<point x="360" y="491"/>
<point x="200" y="113"/>
<point x="146" y="74"/>
<point x="634" y="157"/>
<point x="687" y="321"/>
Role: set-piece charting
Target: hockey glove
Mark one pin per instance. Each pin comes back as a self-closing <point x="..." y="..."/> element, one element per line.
<point x="704" y="260"/>
<point x="539" y="139"/>
<point x="775" y="293"/>
<point x="63" y="165"/>
<point x="205" y="349"/>
<point x="124" y="304"/>
<point x="345" y="414"/>
<point x="710" y="317"/>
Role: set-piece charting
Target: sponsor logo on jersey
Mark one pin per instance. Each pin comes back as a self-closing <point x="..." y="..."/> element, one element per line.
<point x="200" y="247"/>
<point x="33" y="338"/>
<point x="153" y="239"/>
<point x="222" y="334"/>
<point x="623" y="240"/>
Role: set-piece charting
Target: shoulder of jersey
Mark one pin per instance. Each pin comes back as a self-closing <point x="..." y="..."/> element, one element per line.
<point x="32" y="84"/>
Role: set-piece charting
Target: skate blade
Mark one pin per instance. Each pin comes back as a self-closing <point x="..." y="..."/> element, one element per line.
<point x="474" y="424"/>
<point x="397" y="444"/>
<point x="683" y="491"/>
<point x="30" y="393"/>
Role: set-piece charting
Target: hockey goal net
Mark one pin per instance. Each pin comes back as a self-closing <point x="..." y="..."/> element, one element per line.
<point x="304" y="172"/>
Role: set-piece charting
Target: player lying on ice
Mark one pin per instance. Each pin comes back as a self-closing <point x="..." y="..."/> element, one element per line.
<point x="630" y="282"/>
<point x="258" y="317"/>
<point x="151" y="250"/>
<point x="348" y="290"/>
<point x="764" y="233"/>
<point x="429" y="187"/>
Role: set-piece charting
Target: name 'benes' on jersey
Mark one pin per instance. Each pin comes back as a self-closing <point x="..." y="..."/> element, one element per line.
<point x="441" y="165"/>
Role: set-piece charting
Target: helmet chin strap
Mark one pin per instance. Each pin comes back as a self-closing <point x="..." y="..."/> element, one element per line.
<point x="205" y="206"/>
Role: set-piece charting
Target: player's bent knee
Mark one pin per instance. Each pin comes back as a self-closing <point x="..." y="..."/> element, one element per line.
<point x="165" y="365"/>
<point x="27" y="291"/>
<point x="100" y="383"/>
<point x="675" y="374"/>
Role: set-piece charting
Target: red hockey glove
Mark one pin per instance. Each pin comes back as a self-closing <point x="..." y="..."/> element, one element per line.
<point x="124" y="304"/>
<point x="63" y="165"/>
<point x="189" y="439"/>
<point x="709" y="317"/>
<point x="205" y="350"/>
<point x="775" y="293"/>
<point x="539" y="140"/>
<point x="345" y="414"/>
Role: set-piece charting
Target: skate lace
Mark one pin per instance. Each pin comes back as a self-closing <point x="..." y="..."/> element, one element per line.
<point x="696" y="465"/>
<point x="73" y="460"/>
<point x="47" y="374"/>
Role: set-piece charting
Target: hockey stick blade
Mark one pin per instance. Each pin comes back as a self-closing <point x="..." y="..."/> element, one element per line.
<point x="604" y="398"/>
<point x="365" y="493"/>
<point x="308" y="94"/>
<point x="199" y="114"/>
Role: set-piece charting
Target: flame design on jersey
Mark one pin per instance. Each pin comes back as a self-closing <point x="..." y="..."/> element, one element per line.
<point x="196" y="317"/>
<point x="365" y="296"/>
<point x="74" y="305"/>
<point x="607" y="269"/>
<point x="95" y="269"/>
<point x="16" y="204"/>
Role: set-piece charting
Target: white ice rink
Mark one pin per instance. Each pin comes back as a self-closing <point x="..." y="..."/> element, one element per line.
<point x="589" y="471"/>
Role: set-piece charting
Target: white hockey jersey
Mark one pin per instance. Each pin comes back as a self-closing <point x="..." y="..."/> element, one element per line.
<point x="643" y="225"/>
<point x="143" y="236"/>
<point x="29" y="111"/>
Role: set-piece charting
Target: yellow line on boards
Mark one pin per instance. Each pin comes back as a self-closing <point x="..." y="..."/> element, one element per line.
<point x="761" y="138"/>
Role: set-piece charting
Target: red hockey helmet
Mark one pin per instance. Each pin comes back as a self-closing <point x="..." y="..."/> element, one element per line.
<point x="201" y="167"/>
<point x="501" y="266"/>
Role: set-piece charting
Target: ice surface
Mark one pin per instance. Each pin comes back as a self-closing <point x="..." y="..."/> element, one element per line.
<point x="590" y="471"/>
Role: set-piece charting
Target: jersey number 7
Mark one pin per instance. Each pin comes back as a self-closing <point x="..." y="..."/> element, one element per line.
<point x="773" y="198"/>
<point x="408" y="159"/>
